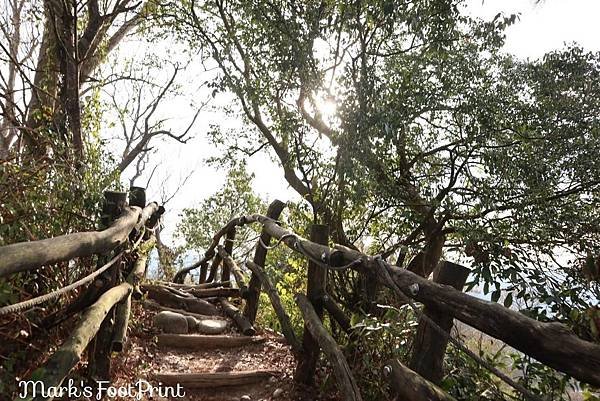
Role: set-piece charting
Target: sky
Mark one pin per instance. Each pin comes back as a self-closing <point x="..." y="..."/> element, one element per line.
<point x="541" y="27"/>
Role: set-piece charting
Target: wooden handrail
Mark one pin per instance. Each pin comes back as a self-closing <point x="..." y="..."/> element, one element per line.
<point x="31" y="255"/>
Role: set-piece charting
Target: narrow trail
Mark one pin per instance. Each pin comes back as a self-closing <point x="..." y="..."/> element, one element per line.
<point x="261" y="369"/>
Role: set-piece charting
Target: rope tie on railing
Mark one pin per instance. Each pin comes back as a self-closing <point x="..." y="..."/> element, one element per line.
<point x="283" y="237"/>
<point x="414" y="290"/>
<point x="324" y="262"/>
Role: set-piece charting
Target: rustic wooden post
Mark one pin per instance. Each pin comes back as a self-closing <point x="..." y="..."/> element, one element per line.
<point x="315" y="289"/>
<point x="203" y="273"/>
<point x="226" y="270"/>
<point x="59" y="364"/>
<point x="233" y="268"/>
<point x="101" y="345"/>
<point x="429" y="346"/>
<point x="260" y="256"/>
<point x="137" y="197"/>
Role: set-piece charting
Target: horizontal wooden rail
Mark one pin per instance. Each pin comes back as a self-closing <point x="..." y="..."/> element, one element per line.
<point x="25" y="256"/>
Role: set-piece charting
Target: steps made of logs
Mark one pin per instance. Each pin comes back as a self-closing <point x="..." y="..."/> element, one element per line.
<point x="216" y="379"/>
<point x="201" y="342"/>
<point x="166" y="296"/>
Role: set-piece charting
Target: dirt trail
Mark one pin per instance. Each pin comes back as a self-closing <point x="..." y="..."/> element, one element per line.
<point x="143" y="358"/>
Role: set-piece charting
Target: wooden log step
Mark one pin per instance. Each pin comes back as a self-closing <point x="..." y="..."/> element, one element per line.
<point x="195" y="341"/>
<point x="166" y="297"/>
<point x="214" y="292"/>
<point x="195" y="286"/>
<point x="216" y="379"/>
<point x="159" y="307"/>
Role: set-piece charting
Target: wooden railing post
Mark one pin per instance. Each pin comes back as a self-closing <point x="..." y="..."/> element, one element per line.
<point x="101" y="345"/>
<point x="315" y="290"/>
<point x="229" y="239"/>
<point x="260" y="256"/>
<point x="429" y="346"/>
<point x="203" y="273"/>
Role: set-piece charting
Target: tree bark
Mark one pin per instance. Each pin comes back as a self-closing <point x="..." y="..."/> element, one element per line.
<point x="341" y="370"/>
<point x="240" y="320"/>
<point x="315" y="289"/>
<point x="228" y="249"/>
<point x="229" y="265"/>
<point x="58" y="366"/>
<point x="122" y="313"/>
